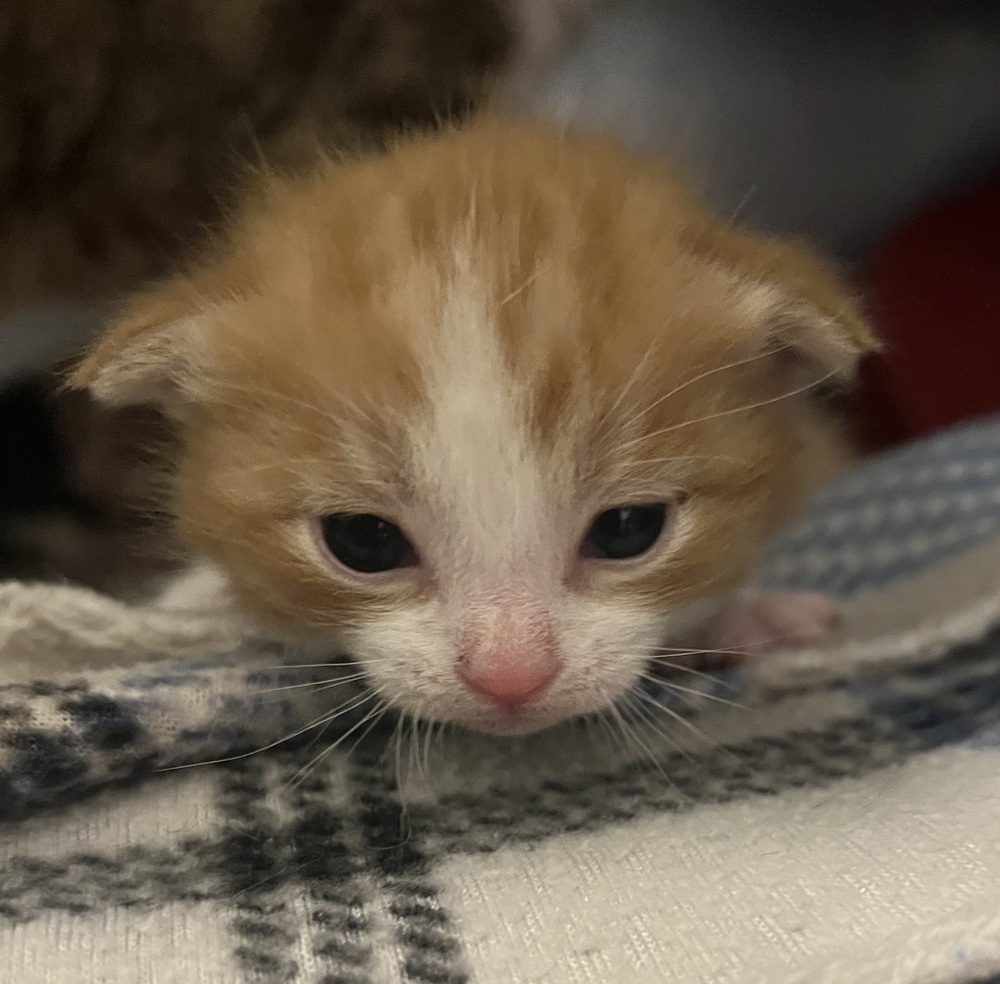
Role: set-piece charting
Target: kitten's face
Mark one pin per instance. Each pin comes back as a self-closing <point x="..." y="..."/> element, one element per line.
<point x="492" y="412"/>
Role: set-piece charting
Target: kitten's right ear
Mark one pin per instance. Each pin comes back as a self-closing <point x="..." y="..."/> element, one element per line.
<point x="150" y="355"/>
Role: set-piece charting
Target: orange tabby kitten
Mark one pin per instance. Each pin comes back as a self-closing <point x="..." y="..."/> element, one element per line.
<point x="502" y="411"/>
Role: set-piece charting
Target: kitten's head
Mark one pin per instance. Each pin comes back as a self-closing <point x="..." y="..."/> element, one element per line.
<point x="491" y="410"/>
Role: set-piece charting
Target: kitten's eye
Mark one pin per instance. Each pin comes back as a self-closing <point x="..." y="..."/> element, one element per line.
<point x="366" y="543"/>
<point x="627" y="531"/>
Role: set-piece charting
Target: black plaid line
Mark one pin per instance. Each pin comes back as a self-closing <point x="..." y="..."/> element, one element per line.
<point x="251" y="867"/>
<point x="100" y="737"/>
<point x="136" y="877"/>
<point x="486" y="822"/>
<point x="945" y="707"/>
<point x="256" y="865"/>
<point x="339" y="858"/>
<point x="431" y="949"/>
<point x="329" y="860"/>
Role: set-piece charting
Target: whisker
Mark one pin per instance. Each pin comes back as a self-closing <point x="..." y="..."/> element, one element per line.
<point x="742" y="204"/>
<point x="337" y="683"/>
<point x="352" y="704"/>
<point x="615" y="718"/>
<point x="312" y="666"/>
<point x="314" y="762"/>
<point x="649" y="722"/>
<point x="315" y="723"/>
<point x="677" y="688"/>
<point x="678" y="460"/>
<point x="415" y="742"/>
<point x="397" y="743"/>
<point x="434" y="730"/>
<point x="291" y="464"/>
<point x="703" y="375"/>
<point x="322" y="684"/>
<point x="319" y="735"/>
<point x="517" y="291"/>
<point x="613" y="738"/>
<point x="703" y="674"/>
<point x="744" y="408"/>
<point x="428" y="735"/>
<point x="666" y="651"/>
<point x="329" y="394"/>
<point x="385" y="709"/>
<point x="679" y="718"/>
<point x="264" y="397"/>
<point x="633" y="378"/>
<point x="655" y="725"/>
<point x="636" y="739"/>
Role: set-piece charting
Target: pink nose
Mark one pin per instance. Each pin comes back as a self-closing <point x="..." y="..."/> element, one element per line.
<point x="509" y="679"/>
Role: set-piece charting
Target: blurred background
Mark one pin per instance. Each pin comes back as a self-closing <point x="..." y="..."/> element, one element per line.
<point x="833" y="119"/>
<point x="871" y="127"/>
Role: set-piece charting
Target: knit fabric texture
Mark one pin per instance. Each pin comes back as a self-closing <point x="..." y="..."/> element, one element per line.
<point x="830" y="815"/>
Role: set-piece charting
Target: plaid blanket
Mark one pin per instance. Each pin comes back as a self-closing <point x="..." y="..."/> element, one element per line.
<point x="820" y="816"/>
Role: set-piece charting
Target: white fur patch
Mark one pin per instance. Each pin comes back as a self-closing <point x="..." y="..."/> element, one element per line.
<point x="484" y="481"/>
<point x="410" y="656"/>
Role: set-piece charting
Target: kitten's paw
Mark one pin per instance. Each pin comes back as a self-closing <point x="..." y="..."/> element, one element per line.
<point x="760" y="621"/>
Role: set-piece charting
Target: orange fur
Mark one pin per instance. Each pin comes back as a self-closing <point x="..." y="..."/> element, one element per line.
<point x="655" y="355"/>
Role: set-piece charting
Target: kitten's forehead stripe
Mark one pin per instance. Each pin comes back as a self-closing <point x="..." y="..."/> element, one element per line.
<point x="474" y="457"/>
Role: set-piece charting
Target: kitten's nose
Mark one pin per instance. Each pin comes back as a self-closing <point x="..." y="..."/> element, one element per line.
<point x="509" y="668"/>
<point x="509" y="681"/>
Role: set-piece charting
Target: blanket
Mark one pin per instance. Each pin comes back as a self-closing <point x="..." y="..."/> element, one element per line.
<point x="832" y="815"/>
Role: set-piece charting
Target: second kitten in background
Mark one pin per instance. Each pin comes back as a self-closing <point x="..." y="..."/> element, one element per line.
<point x="123" y="127"/>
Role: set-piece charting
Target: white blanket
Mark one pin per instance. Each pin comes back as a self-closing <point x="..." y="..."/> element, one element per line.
<point x="836" y="819"/>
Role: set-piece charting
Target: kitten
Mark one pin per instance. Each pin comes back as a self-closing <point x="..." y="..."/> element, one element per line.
<point x="502" y="411"/>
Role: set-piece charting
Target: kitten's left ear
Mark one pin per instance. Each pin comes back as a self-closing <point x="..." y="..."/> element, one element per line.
<point x="151" y="354"/>
<point x="800" y="302"/>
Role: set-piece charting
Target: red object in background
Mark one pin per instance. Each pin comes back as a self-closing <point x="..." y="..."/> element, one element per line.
<point x="934" y="295"/>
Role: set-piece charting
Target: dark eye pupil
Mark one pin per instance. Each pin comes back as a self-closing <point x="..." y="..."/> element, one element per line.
<point x="625" y="532"/>
<point x="368" y="544"/>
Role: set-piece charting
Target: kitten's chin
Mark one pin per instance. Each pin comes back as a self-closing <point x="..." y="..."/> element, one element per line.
<point x="515" y="723"/>
<point x="494" y="722"/>
<point x="512" y="725"/>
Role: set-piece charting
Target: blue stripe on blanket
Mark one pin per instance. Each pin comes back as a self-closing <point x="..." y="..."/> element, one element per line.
<point x="895" y="516"/>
